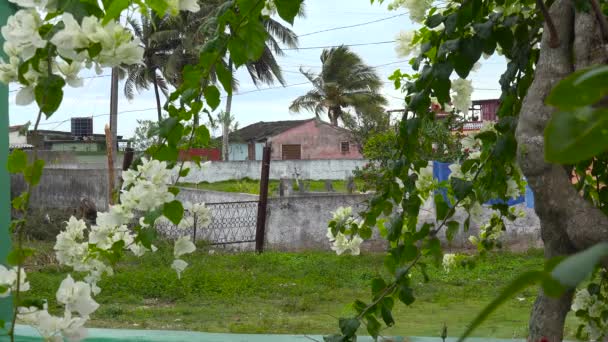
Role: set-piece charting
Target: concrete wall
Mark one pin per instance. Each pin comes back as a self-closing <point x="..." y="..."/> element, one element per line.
<point x="319" y="140"/>
<point x="207" y="196"/>
<point x="77" y="147"/>
<point x="334" y="169"/>
<point x="64" y="188"/>
<point x="294" y="223"/>
<point x="300" y="223"/>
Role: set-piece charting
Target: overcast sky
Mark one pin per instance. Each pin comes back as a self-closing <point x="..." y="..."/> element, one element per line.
<point x="93" y="99"/>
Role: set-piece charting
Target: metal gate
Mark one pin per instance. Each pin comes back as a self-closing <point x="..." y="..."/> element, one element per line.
<point x="231" y="223"/>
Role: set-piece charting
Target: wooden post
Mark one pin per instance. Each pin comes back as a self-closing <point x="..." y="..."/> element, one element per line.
<point x="6" y="304"/>
<point x="260" y="232"/>
<point x="109" y="150"/>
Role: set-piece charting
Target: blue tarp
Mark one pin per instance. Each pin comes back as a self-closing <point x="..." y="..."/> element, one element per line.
<point x="441" y="172"/>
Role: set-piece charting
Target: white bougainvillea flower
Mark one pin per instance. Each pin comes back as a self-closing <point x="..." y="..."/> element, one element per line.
<point x="416" y="8"/>
<point x="76" y="296"/>
<point x="189" y="5"/>
<point x="582" y="300"/>
<point x="179" y="266"/>
<point x="70" y="71"/>
<point x="404" y="47"/>
<point x="512" y="188"/>
<point x="31" y="3"/>
<point x="9" y="71"/>
<point x="461" y="99"/>
<point x="70" y="38"/>
<point x="21" y="31"/>
<point x="8" y="281"/>
<point x="449" y="261"/>
<point x="182" y="246"/>
<point x="355" y="245"/>
<point x="24" y="96"/>
<point x="425" y="182"/>
<point x="340" y="244"/>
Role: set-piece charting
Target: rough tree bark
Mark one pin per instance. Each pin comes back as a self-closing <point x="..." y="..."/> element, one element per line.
<point x="568" y="223"/>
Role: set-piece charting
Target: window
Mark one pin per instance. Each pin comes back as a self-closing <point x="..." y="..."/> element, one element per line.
<point x="345" y="147"/>
<point x="291" y="152"/>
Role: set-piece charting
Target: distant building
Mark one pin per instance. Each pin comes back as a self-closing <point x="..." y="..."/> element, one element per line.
<point x="295" y="139"/>
<point x="481" y="111"/>
<point x="80" y="139"/>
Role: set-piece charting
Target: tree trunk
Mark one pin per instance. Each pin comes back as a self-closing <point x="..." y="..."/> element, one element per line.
<point x="568" y="222"/>
<point x="156" y="93"/>
<point x="226" y="123"/>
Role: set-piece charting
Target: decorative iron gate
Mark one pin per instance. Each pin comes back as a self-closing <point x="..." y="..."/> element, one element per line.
<point x="231" y="223"/>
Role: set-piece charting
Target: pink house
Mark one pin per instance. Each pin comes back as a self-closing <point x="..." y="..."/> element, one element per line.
<point x="296" y="139"/>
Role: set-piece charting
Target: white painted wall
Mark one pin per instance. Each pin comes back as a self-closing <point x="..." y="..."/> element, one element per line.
<point x="334" y="169"/>
<point x="15" y="138"/>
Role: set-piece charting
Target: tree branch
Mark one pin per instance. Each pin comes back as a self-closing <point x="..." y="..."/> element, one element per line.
<point x="554" y="42"/>
<point x="601" y="19"/>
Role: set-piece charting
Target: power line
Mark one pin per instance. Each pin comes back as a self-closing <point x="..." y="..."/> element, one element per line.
<point x="84" y="78"/>
<point x="335" y="46"/>
<point x="351" y="26"/>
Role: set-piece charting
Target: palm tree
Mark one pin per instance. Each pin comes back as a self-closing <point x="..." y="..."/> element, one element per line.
<point x="158" y="42"/>
<point x="344" y="82"/>
<point x="194" y="30"/>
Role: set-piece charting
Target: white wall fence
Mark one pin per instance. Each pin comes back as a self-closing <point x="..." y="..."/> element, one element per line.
<point x="334" y="169"/>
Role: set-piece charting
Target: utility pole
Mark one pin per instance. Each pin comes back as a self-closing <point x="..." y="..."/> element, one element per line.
<point x="114" y="112"/>
<point x="6" y="304"/>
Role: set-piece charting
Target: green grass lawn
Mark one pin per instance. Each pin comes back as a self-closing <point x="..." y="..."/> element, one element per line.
<point x="296" y="293"/>
<point x="251" y="186"/>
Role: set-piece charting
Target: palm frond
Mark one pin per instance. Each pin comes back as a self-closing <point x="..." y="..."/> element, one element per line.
<point x="283" y="33"/>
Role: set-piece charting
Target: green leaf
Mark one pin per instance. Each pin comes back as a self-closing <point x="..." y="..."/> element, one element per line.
<point x="452" y="229"/>
<point x="434" y="20"/>
<point x="582" y="88"/>
<point x="448" y="46"/>
<point x="576" y="268"/>
<point x="146" y="237"/>
<point x="406" y="295"/>
<point x="18" y="256"/>
<point x="387" y="316"/>
<point x="21" y="201"/>
<point x="184" y="172"/>
<point x="486" y="137"/>
<point x="17" y="161"/>
<point x="441" y="207"/>
<point x="461" y="187"/>
<point x="394" y="227"/>
<point x="114" y="10"/>
<point x="288" y="9"/>
<point x="212" y="96"/>
<point x="202" y="135"/>
<point x="373" y="326"/>
<point x="174" y="211"/>
<point x="49" y="93"/>
<point x="174" y="190"/>
<point x="33" y="172"/>
<point x="349" y="326"/>
<point x="166" y="153"/>
<point x="469" y="52"/>
<point x="378" y="285"/>
<point x="94" y="50"/>
<point x="573" y="136"/>
<point x="484" y="30"/>
<point x="225" y="77"/>
<point x="515" y="287"/>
